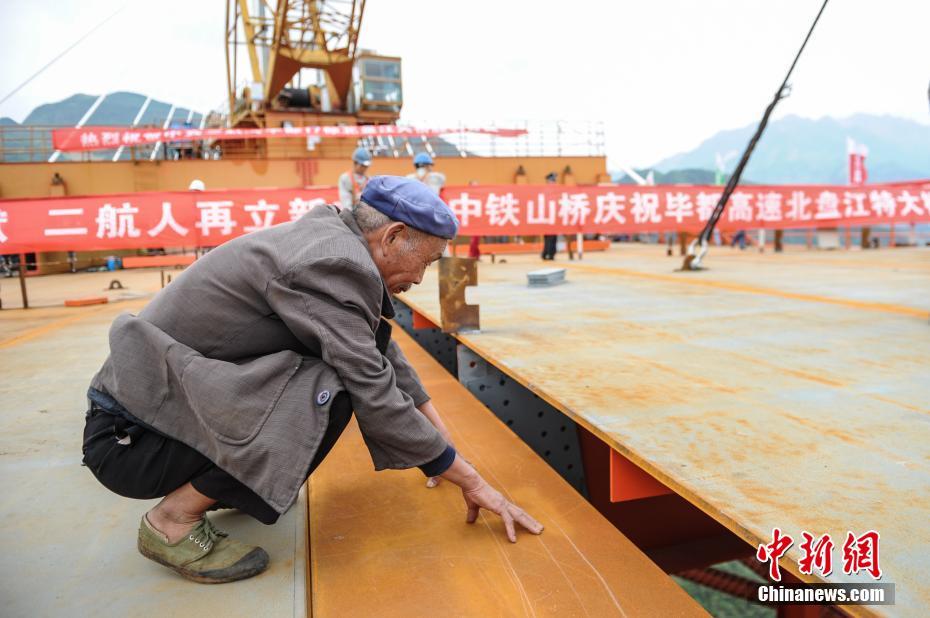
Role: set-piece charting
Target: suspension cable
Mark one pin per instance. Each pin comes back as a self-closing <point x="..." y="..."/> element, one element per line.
<point x="698" y="247"/>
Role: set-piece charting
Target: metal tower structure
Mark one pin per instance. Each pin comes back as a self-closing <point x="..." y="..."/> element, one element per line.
<point x="279" y="38"/>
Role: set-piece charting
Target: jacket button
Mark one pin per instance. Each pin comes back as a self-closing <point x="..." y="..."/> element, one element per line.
<point x="322" y="397"/>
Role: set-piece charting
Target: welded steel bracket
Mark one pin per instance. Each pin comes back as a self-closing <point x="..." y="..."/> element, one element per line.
<point x="630" y="482"/>
<point x="455" y="274"/>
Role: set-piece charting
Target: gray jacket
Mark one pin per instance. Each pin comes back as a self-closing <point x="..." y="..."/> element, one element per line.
<point x="242" y="354"/>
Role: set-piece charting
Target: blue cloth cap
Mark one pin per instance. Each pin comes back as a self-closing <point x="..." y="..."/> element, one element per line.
<point x="412" y="202"/>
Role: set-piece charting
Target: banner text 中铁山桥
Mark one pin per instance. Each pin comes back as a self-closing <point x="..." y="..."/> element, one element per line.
<point x="209" y="218"/>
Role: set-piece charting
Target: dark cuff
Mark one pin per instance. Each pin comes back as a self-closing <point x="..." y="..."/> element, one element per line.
<point x="419" y="396"/>
<point x="440" y="464"/>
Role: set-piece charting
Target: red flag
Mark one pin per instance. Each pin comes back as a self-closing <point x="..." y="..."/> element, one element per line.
<point x="857" y="154"/>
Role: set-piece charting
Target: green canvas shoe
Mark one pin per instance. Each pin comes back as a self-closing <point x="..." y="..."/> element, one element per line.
<point x="206" y="555"/>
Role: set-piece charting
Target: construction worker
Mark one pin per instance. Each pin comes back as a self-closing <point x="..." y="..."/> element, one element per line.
<point x="352" y="182"/>
<point x="423" y="171"/>
<point x="231" y="386"/>
<point x="550" y="241"/>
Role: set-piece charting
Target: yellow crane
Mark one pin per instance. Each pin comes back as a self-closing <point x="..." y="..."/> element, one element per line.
<point x="281" y="38"/>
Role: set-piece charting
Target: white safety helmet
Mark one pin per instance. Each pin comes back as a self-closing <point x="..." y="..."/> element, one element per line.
<point x="197" y="185"/>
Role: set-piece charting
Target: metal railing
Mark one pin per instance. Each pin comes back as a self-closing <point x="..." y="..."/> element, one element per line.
<point x="27" y="143"/>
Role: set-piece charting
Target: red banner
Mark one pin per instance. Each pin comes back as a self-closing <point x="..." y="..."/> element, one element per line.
<point x="98" y="138"/>
<point x="523" y="209"/>
<point x="189" y="219"/>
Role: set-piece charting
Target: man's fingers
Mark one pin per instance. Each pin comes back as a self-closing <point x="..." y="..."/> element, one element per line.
<point x="472" y="515"/>
<point x="432" y="482"/>
<point x="508" y="525"/>
<point x="524" y="519"/>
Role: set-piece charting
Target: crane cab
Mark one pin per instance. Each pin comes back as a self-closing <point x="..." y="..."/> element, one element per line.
<point x="378" y="90"/>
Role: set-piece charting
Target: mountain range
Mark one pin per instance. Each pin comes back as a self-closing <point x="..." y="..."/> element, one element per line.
<point x="116" y="109"/>
<point x="803" y="150"/>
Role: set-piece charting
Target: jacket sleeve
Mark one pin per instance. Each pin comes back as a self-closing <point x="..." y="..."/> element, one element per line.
<point x="407" y="378"/>
<point x="331" y="303"/>
<point x="346" y="193"/>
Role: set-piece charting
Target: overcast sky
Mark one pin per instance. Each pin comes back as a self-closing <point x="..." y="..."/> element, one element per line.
<point x="662" y="75"/>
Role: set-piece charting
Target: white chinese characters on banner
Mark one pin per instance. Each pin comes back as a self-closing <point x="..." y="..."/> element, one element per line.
<point x="854" y="201"/>
<point x="502" y="209"/>
<point x="175" y="219"/>
<point x="110" y="138"/>
<point x="798" y="205"/>
<point x="740" y="207"/>
<point x="768" y="206"/>
<point x="645" y="208"/>
<point x="298" y="207"/>
<point x="466" y="208"/>
<point x="909" y="204"/>
<point x="883" y="203"/>
<point x="216" y="215"/>
<point x="540" y="211"/>
<point x="828" y="206"/>
<point x="706" y="203"/>
<point x="678" y="206"/>
<point x="262" y="214"/>
<point x="574" y="209"/>
<point x="71" y="214"/>
<point x="117" y="222"/>
<point x="167" y="220"/>
<point x="610" y="208"/>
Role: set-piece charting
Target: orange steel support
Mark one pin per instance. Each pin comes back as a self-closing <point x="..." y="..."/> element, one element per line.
<point x="145" y="261"/>
<point x="83" y="302"/>
<point x="629" y="482"/>
<point x="420" y="321"/>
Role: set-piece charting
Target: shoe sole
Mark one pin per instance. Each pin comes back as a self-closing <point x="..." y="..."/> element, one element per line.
<point x="201" y="578"/>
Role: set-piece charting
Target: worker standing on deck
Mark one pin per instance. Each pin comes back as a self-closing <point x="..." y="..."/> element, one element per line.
<point x="424" y="172"/>
<point x="237" y="379"/>
<point x="352" y="182"/>
<point x="550" y="241"/>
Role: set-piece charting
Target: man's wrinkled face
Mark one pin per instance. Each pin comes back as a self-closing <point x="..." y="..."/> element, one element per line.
<point x="403" y="254"/>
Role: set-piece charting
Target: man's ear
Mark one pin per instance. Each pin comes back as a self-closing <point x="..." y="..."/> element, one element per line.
<point x="392" y="235"/>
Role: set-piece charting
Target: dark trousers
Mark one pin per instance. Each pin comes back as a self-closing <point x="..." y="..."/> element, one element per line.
<point x="549" y="246"/>
<point x="138" y="462"/>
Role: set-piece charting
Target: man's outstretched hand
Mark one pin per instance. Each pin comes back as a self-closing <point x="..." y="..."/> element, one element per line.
<point x="479" y="495"/>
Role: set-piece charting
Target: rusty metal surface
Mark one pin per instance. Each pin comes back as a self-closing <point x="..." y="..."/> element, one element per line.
<point x="384" y="545"/>
<point x="455" y="274"/>
<point x="773" y="390"/>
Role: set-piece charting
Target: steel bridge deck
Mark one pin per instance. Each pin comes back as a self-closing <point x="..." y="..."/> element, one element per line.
<point x="773" y="390"/>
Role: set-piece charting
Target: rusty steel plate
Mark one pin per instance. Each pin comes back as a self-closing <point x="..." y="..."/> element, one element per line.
<point x="785" y="390"/>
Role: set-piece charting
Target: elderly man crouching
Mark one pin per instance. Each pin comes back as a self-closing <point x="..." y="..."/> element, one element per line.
<point x="236" y="380"/>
